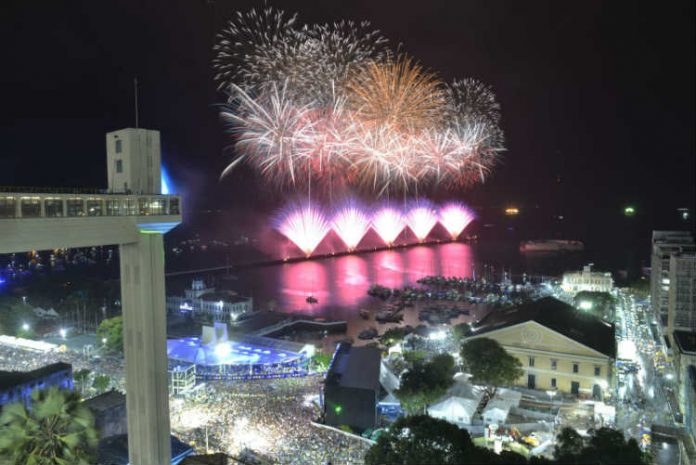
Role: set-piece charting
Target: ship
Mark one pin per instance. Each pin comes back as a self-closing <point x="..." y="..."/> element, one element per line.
<point x="551" y="246"/>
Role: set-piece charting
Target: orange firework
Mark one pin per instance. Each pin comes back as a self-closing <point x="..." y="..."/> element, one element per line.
<point x="397" y="93"/>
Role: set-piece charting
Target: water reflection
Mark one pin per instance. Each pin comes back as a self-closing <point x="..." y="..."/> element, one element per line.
<point x="342" y="282"/>
<point x="300" y="281"/>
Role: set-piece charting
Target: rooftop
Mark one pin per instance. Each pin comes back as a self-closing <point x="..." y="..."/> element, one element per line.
<point x="106" y="401"/>
<point x="9" y="379"/>
<point x="355" y="367"/>
<point x="559" y="317"/>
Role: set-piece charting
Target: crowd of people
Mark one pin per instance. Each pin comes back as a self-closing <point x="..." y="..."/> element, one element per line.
<point x="272" y="418"/>
<point x="269" y="418"/>
<point x="15" y="359"/>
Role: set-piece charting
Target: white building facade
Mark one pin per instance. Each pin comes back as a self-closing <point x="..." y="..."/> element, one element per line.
<point x="664" y="244"/>
<point x="681" y="302"/>
<point x="206" y="303"/>
<point x="587" y="280"/>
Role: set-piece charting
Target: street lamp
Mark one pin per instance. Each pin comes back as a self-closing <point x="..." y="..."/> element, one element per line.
<point x="63" y="333"/>
<point x="25" y="326"/>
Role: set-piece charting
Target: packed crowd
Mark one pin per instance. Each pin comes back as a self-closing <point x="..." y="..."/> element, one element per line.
<point x="15" y="359"/>
<point x="271" y="418"/>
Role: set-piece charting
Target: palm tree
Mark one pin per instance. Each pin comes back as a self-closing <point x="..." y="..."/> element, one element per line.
<point x="101" y="383"/>
<point x="56" y="430"/>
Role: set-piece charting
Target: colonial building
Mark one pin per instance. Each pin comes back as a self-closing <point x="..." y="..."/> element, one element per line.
<point x="207" y="303"/>
<point x="560" y="348"/>
<point x="587" y="280"/>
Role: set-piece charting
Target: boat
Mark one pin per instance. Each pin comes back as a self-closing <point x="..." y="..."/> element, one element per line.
<point x="311" y="300"/>
<point x="364" y="314"/>
<point x="551" y="246"/>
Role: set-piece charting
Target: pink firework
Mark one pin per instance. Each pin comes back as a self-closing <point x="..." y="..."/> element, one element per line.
<point x="388" y="224"/>
<point x="454" y="217"/>
<point x="305" y="225"/>
<point x="421" y="218"/>
<point x="350" y="223"/>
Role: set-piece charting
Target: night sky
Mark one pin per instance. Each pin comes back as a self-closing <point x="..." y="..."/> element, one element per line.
<point x="596" y="95"/>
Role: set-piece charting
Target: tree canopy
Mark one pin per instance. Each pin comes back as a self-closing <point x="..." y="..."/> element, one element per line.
<point x="111" y="330"/>
<point x="604" y="445"/>
<point x="489" y="363"/>
<point x="600" y="304"/>
<point x="57" y="430"/>
<point x="425" y="382"/>
<point x="421" y="439"/>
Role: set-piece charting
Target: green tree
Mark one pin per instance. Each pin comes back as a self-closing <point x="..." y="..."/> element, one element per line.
<point x="101" y="383"/>
<point x="604" y="445"/>
<point x="461" y="331"/>
<point x="424" y="383"/>
<point x="321" y="361"/>
<point x="81" y="377"/>
<point x="111" y="331"/>
<point x="489" y="363"/>
<point x="421" y="439"/>
<point x="569" y="446"/>
<point x="393" y="336"/>
<point x="600" y="304"/>
<point x="57" y="430"/>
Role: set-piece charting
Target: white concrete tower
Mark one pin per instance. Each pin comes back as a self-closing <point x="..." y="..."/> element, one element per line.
<point x="133" y="161"/>
<point x="136" y="222"/>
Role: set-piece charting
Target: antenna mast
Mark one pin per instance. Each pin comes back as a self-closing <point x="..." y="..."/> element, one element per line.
<point x="135" y="89"/>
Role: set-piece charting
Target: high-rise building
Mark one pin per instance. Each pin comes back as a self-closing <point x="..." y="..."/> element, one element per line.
<point x="681" y="303"/>
<point x="664" y="244"/>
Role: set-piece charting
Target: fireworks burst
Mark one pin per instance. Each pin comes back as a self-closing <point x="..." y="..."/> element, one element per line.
<point x="421" y="218"/>
<point x="397" y="94"/>
<point x="351" y="224"/>
<point x="388" y="224"/>
<point x="328" y="104"/>
<point x="305" y="225"/>
<point x="454" y="217"/>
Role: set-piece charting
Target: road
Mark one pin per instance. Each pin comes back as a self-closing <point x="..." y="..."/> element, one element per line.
<point x="645" y="379"/>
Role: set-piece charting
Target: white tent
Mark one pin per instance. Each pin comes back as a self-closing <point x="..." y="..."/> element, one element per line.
<point x="455" y="410"/>
<point x="498" y="407"/>
<point x="496" y="411"/>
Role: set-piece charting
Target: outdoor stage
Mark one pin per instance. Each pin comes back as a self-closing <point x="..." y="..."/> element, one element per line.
<point x="240" y="357"/>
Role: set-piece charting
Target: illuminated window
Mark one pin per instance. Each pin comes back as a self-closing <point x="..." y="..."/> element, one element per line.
<point x="53" y="207"/>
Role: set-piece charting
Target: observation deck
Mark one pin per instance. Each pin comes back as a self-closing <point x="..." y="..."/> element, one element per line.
<point x="79" y="218"/>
